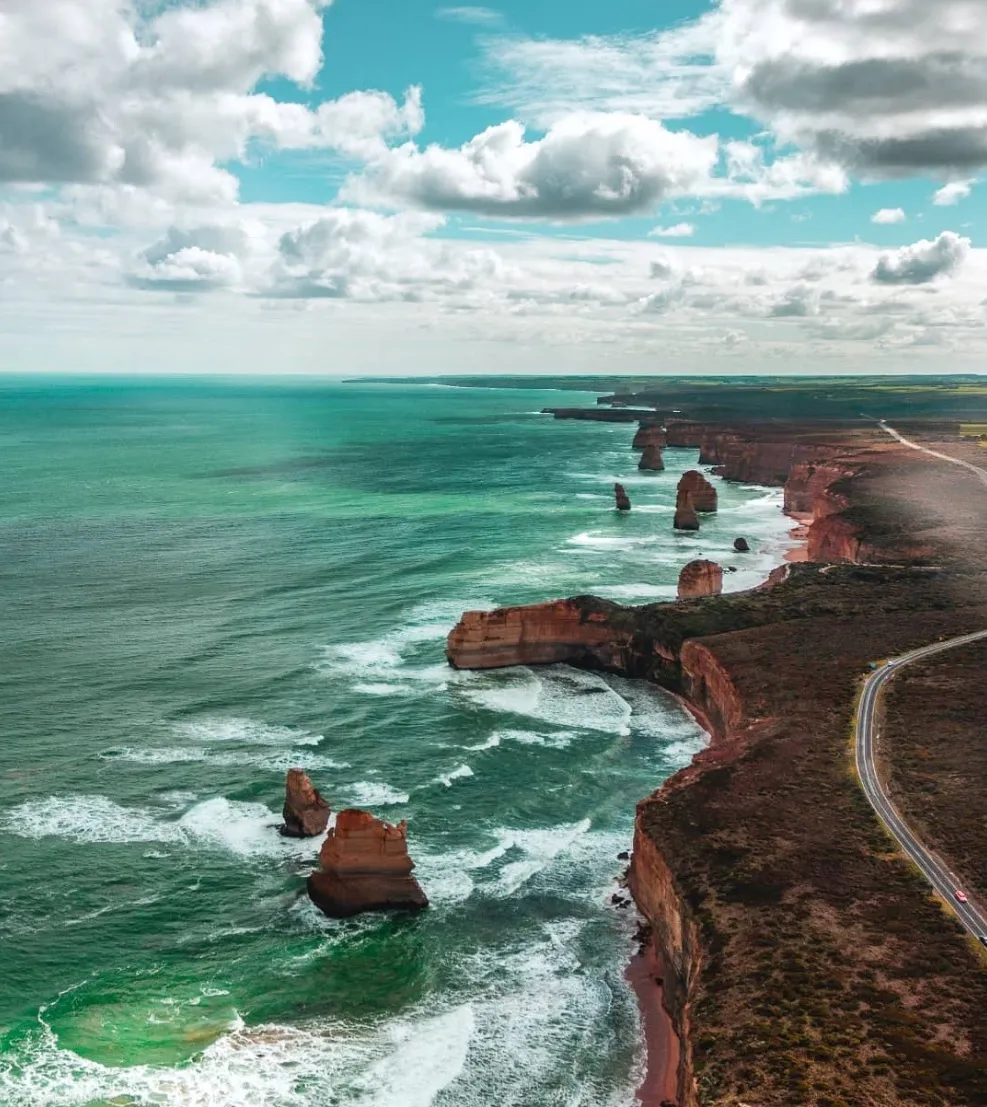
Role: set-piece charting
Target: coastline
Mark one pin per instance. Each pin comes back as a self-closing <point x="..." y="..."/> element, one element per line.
<point x="799" y="553"/>
<point x="645" y="972"/>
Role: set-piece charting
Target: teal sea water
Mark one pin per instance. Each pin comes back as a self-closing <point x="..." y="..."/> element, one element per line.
<point x="206" y="584"/>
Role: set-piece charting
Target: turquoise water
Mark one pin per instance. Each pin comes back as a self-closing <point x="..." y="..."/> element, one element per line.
<point x="204" y="585"/>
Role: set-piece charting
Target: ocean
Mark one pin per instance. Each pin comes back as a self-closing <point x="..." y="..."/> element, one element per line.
<point x="205" y="584"/>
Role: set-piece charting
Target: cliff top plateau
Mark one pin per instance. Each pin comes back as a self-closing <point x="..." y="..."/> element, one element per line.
<point x="806" y="962"/>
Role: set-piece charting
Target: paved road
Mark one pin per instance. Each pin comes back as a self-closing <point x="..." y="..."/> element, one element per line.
<point x="981" y="473"/>
<point x="936" y="872"/>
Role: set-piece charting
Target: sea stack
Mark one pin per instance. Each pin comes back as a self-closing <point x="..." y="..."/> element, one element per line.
<point x="364" y="866"/>
<point x="741" y="545"/>
<point x="685" y="512"/>
<point x="702" y="492"/>
<point x="651" y="460"/>
<point x="700" y="578"/>
<point x="648" y="434"/>
<point x="623" y="500"/>
<point x="306" y="813"/>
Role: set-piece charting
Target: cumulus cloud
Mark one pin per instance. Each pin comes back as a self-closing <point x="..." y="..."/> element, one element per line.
<point x="889" y="215"/>
<point x="889" y="88"/>
<point x="588" y="165"/>
<point x="883" y="88"/>
<point x="122" y="93"/>
<point x="351" y="253"/>
<point x="676" y="230"/>
<point x="197" y="259"/>
<point x="797" y="302"/>
<point x="952" y="193"/>
<point x="923" y="261"/>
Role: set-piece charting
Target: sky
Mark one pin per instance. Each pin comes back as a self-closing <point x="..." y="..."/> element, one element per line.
<point x="398" y="187"/>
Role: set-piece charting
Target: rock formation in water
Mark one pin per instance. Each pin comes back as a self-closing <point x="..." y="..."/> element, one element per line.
<point x="364" y="866"/>
<point x="623" y="500"/>
<point x="306" y="813"/>
<point x="685" y="512"/>
<point x="649" y="434"/>
<point x="700" y="578"/>
<point x="741" y="545"/>
<point x="541" y="634"/>
<point x="702" y="492"/>
<point x="651" y="460"/>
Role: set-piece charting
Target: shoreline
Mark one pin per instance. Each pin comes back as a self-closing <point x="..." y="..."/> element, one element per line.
<point x="662" y="1047"/>
<point x="645" y="972"/>
<point x="799" y="553"/>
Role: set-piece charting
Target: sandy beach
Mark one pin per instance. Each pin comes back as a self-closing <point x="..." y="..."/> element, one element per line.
<point x="644" y="973"/>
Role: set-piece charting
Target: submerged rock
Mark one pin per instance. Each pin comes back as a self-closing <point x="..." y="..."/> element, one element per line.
<point x="364" y="866"/>
<point x="702" y="492"/>
<point x="652" y="460"/>
<point x="700" y="578"/>
<point x="685" y="512"/>
<point x="741" y="545"/>
<point x="623" y="500"/>
<point x="306" y="813"/>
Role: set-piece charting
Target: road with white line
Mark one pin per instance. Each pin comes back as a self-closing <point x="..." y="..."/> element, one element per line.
<point x="945" y="882"/>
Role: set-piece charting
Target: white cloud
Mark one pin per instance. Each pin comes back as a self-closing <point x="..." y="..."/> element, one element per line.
<point x="480" y="16"/>
<point x="363" y="255"/>
<point x="797" y="302"/>
<point x="114" y="93"/>
<point x="923" y="261"/>
<point x="889" y="215"/>
<point x="665" y="75"/>
<point x="676" y="230"/>
<point x="586" y="166"/>
<point x="884" y="87"/>
<point x="952" y="193"/>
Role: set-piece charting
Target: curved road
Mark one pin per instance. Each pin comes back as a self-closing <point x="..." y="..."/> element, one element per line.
<point x="935" y="871"/>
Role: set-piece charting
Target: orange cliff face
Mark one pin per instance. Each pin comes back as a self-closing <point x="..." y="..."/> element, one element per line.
<point x="364" y="866"/>
<point x="700" y="578"/>
<point x="699" y="488"/>
<point x="540" y="634"/>
<point x="649" y="434"/>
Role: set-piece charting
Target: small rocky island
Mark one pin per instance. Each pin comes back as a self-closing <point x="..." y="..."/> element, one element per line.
<point x="364" y="863"/>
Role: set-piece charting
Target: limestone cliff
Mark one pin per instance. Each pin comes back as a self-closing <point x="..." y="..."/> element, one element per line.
<point x="651" y="460"/>
<point x="703" y="493"/>
<point x="575" y="631"/>
<point x="305" y="813"/>
<point x="364" y="866"/>
<point x="700" y="578"/>
<point x="649" y="434"/>
<point x="685" y="512"/>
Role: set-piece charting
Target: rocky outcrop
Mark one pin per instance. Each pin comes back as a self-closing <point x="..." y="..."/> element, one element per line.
<point x="700" y="578"/>
<point x="623" y="500"/>
<point x="651" y="460"/>
<point x="649" y="434"/>
<point x="741" y="545"/>
<point x="702" y="492"/>
<point x="685" y="513"/>
<point x="574" y="631"/>
<point x="306" y="813"/>
<point x="364" y="866"/>
<point x="807" y="488"/>
<point x="684" y="433"/>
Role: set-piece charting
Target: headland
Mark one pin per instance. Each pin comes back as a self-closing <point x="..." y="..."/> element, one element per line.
<point x="805" y="961"/>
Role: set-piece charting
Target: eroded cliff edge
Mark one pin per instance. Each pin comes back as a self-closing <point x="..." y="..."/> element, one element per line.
<point x="805" y="964"/>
